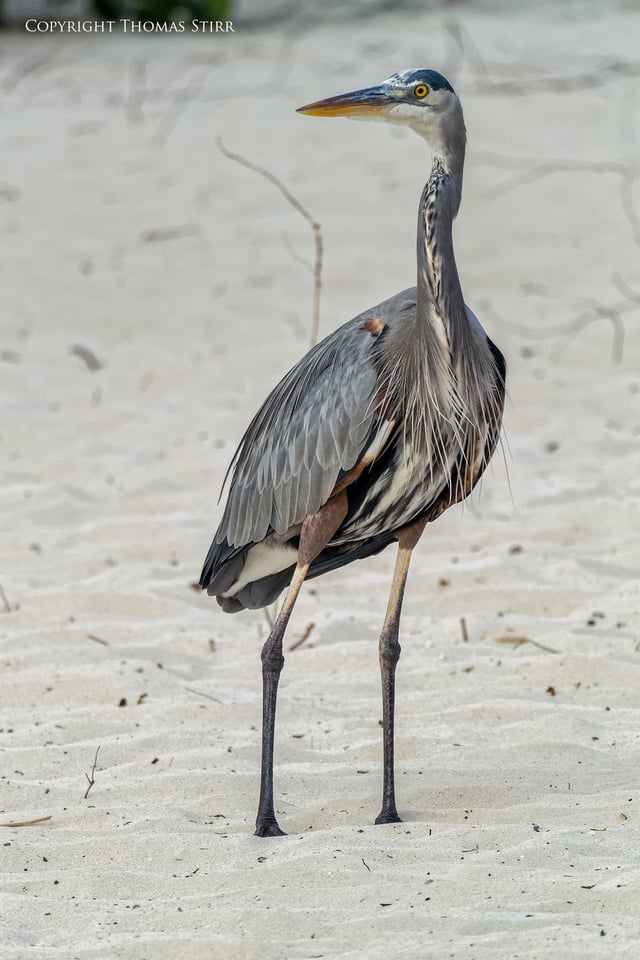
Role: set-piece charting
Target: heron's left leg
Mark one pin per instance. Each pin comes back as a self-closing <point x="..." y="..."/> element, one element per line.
<point x="272" y="664"/>
<point x="316" y="532"/>
<point x="389" y="651"/>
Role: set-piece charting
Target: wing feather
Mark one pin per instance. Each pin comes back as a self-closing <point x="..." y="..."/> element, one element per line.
<point x="310" y="430"/>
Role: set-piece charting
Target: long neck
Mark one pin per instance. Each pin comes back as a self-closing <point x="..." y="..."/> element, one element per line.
<point x="440" y="296"/>
<point x="445" y="369"/>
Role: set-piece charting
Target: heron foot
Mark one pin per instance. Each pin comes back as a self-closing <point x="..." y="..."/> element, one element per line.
<point x="268" y="827"/>
<point x="388" y="816"/>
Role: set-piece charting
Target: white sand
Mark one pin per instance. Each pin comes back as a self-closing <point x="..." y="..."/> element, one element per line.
<point x="517" y="767"/>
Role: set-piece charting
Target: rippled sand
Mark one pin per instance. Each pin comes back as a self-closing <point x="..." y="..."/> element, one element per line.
<point x="126" y="233"/>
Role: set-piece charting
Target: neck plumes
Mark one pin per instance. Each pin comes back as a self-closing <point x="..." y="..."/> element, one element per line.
<point x="440" y="299"/>
<point x="441" y="329"/>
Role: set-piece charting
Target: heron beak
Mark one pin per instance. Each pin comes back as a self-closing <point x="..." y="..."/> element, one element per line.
<point x="361" y="103"/>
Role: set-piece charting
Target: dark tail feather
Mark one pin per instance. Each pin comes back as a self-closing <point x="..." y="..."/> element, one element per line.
<point x="222" y="566"/>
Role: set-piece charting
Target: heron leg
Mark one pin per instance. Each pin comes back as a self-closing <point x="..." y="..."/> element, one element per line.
<point x="272" y="664"/>
<point x="389" y="652"/>
<point x="316" y="532"/>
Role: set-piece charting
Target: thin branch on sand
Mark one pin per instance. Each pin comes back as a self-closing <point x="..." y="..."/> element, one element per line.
<point x="26" y="823"/>
<point x="136" y="95"/>
<point x="315" y="226"/>
<point x="92" y="779"/>
<point x="607" y="71"/>
<point x="5" y="601"/>
<point x="305" y="636"/>
<point x="517" y="641"/>
<point x="270" y="614"/>
<point x="185" y="96"/>
<point x="626" y="172"/>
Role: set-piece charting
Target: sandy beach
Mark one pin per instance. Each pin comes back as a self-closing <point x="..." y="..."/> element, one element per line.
<point x="153" y="291"/>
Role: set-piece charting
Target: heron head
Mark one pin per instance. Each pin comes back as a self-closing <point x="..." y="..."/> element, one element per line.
<point x="421" y="99"/>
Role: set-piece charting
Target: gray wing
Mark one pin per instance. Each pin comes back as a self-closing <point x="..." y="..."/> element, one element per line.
<point x="311" y="429"/>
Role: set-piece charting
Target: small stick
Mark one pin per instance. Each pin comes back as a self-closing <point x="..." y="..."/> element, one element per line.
<point x="517" y="641"/>
<point x="200" y="693"/>
<point x="26" y="823"/>
<point x="269" y="615"/>
<point x="91" y="779"/>
<point x="133" y="104"/>
<point x="315" y="226"/>
<point x="305" y="636"/>
<point x="181" y="101"/>
<point x="86" y="355"/>
<point x="463" y="628"/>
<point x="542" y="646"/>
<point x="92" y="636"/>
<point x="3" y="597"/>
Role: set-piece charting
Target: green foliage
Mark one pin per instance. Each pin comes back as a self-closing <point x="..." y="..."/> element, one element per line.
<point x="162" y="11"/>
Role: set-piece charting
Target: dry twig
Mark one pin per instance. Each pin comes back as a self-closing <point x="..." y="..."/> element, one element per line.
<point x="517" y="641"/>
<point x="315" y="226"/>
<point x="91" y="779"/>
<point x="626" y="172"/>
<point x="87" y="356"/>
<point x="468" y="50"/>
<point x="26" y="823"/>
<point x="96" y="639"/>
<point x="201" y="693"/>
<point x="599" y="311"/>
<point x="136" y="95"/>
<point x="181" y="100"/>
<point x="305" y="636"/>
<point x="269" y="615"/>
<point x="5" y="601"/>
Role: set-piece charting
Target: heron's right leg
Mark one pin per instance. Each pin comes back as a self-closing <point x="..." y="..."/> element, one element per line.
<point x="316" y="532"/>
<point x="389" y="651"/>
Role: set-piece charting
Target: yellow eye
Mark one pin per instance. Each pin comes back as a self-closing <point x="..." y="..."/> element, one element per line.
<point x="421" y="91"/>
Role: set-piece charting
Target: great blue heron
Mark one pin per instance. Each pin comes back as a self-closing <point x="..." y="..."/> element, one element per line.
<point x="376" y="431"/>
